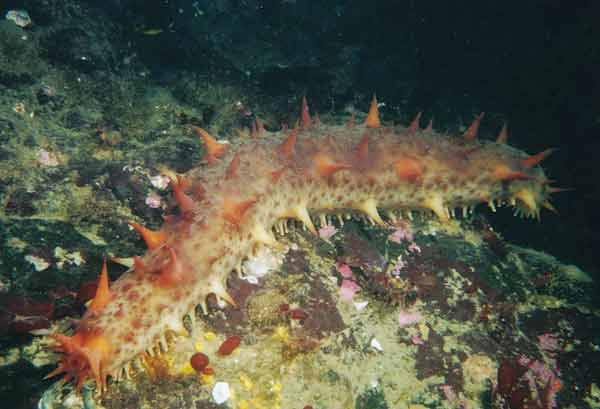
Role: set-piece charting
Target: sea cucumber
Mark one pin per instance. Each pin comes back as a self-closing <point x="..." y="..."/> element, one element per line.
<point x="231" y="206"/>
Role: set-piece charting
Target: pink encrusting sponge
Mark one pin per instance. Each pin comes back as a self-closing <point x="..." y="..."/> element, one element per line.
<point x="231" y="206"/>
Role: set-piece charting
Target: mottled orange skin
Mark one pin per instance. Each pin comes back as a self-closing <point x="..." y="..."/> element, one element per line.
<point x="233" y="208"/>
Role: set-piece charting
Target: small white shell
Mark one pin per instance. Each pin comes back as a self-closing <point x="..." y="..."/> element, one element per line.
<point x="376" y="345"/>
<point x="220" y="392"/>
<point x="360" y="305"/>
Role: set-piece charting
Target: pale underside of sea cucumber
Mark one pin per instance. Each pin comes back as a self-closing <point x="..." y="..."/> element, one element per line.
<point x="229" y="207"/>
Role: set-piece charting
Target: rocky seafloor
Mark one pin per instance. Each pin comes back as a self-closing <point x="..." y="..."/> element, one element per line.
<point x="420" y="315"/>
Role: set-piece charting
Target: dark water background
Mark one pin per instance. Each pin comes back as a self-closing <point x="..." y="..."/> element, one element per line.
<point x="532" y="63"/>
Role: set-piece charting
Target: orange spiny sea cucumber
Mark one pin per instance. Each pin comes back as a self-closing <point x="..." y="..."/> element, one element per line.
<point x="230" y="207"/>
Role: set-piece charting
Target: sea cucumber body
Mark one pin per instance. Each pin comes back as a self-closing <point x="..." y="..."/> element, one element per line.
<point x="238" y="201"/>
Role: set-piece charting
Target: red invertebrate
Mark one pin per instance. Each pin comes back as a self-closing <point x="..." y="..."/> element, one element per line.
<point x="199" y="361"/>
<point x="229" y="345"/>
<point x="229" y="206"/>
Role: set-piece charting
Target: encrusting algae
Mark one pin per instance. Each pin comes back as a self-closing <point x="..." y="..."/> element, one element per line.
<point x="229" y="208"/>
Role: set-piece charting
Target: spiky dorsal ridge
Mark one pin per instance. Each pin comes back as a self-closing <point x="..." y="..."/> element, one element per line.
<point x="305" y="114"/>
<point x="103" y="295"/>
<point x="503" y="134"/>
<point x="429" y="127"/>
<point x="408" y="169"/>
<point x="153" y="239"/>
<point x="534" y="160"/>
<point x="414" y="125"/>
<point x="505" y="173"/>
<point x="472" y="131"/>
<point x="214" y="148"/>
<point x="326" y="166"/>
<point x="373" y="120"/>
<point x="185" y="202"/>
